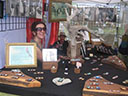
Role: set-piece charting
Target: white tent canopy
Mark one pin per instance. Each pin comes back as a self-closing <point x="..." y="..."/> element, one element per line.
<point x="101" y="1"/>
<point x="106" y="30"/>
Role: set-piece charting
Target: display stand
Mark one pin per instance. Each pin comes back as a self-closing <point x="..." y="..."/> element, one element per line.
<point x="18" y="79"/>
<point x="98" y="86"/>
<point x="47" y="65"/>
<point x="49" y="59"/>
<point x="115" y="61"/>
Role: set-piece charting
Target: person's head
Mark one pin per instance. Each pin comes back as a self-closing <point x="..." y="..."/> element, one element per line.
<point x="38" y="29"/>
<point x="62" y="36"/>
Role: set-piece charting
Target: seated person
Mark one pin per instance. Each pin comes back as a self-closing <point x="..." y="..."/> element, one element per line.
<point x="61" y="45"/>
<point x="123" y="48"/>
<point x="38" y="30"/>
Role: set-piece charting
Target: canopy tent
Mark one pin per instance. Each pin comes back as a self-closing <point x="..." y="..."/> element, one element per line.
<point x="107" y="30"/>
<point x="101" y="1"/>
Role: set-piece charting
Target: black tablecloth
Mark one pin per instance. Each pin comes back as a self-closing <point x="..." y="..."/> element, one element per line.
<point x="73" y="89"/>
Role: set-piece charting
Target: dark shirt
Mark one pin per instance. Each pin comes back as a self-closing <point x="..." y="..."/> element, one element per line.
<point x="62" y="50"/>
<point x="33" y="41"/>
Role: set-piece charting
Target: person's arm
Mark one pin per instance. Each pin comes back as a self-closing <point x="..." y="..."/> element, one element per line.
<point x="39" y="54"/>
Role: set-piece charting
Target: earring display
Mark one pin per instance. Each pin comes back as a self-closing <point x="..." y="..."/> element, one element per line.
<point x="104" y="49"/>
<point x="100" y="86"/>
<point x="115" y="62"/>
<point x="17" y="78"/>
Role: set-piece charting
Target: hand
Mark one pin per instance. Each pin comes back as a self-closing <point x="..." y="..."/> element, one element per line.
<point x="57" y="46"/>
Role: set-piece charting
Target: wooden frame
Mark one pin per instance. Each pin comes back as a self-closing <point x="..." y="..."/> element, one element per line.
<point x="1" y="9"/>
<point x="21" y="55"/>
<point x="57" y="10"/>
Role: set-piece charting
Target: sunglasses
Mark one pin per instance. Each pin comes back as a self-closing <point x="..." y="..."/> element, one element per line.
<point x="40" y="29"/>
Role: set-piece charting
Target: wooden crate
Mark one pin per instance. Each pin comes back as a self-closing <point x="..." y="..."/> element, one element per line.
<point x="96" y="41"/>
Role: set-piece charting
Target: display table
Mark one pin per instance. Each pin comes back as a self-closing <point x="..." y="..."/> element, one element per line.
<point x="73" y="89"/>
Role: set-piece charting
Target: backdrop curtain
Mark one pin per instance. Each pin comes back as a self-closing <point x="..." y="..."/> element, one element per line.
<point x="54" y="33"/>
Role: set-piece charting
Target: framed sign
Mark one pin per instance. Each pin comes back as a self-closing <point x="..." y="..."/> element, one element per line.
<point x="49" y="55"/>
<point x="21" y="55"/>
<point x="57" y="10"/>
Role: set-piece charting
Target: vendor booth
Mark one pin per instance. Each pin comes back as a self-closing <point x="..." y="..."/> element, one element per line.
<point x="64" y="48"/>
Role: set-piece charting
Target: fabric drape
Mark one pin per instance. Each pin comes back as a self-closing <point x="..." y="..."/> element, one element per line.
<point x="54" y="33"/>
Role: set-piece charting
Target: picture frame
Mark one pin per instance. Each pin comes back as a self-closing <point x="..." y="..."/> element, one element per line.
<point x="57" y="10"/>
<point x="49" y="54"/>
<point x="1" y="9"/>
<point x="25" y="8"/>
<point x="21" y="55"/>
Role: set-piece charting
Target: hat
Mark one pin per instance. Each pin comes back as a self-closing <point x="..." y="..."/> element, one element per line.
<point x="62" y="34"/>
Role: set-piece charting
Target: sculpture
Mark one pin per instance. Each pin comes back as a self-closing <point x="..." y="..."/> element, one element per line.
<point x="75" y="33"/>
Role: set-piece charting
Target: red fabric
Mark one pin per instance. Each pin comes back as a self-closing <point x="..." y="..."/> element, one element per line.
<point x="43" y="3"/>
<point x="54" y="33"/>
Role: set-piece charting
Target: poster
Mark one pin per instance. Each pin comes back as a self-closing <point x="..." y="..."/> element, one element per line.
<point x="25" y="8"/>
